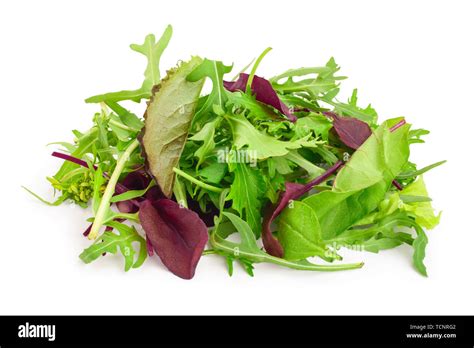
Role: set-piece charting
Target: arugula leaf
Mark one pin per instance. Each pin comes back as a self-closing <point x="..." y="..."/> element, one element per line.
<point x="84" y="144"/>
<point x="368" y="115"/>
<point x="167" y="121"/>
<point x="153" y="51"/>
<point x="420" y="246"/>
<point x="415" y="173"/>
<point x="128" y="119"/>
<point x="247" y="192"/>
<point x="324" y="81"/>
<point x="240" y="100"/>
<point x="109" y="242"/>
<point x="206" y="135"/>
<point x="312" y="169"/>
<point x="316" y="124"/>
<point x="416" y="134"/>
<point x="260" y="144"/>
<point x="215" y="70"/>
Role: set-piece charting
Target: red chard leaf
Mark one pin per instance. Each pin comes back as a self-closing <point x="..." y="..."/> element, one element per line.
<point x="176" y="234"/>
<point x="149" y="247"/>
<point x="263" y="91"/>
<point x="351" y="131"/>
<point x="137" y="180"/>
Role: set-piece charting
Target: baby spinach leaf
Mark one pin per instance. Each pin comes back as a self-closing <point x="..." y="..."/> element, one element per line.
<point x="292" y="192"/>
<point x="167" y="121"/>
<point x="299" y="232"/>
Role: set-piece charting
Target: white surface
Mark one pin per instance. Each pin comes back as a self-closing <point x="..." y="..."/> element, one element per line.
<point x="407" y="58"/>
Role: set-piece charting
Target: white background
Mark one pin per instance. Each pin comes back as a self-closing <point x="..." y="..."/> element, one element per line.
<point x="410" y="58"/>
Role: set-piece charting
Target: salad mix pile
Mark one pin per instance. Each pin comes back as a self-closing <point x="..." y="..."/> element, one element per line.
<point x="275" y="170"/>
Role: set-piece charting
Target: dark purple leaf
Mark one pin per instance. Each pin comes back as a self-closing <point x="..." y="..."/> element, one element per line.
<point x="149" y="247"/>
<point x="208" y="216"/>
<point x="71" y="159"/>
<point x="137" y="180"/>
<point x="263" y="91"/>
<point x="177" y="235"/>
<point x="351" y="131"/>
<point x="292" y="192"/>
<point x="87" y="231"/>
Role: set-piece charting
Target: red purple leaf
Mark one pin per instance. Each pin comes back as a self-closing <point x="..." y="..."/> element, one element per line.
<point x="263" y="91"/>
<point x="177" y="235"/>
<point x="351" y="131"/>
<point x="137" y="180"/>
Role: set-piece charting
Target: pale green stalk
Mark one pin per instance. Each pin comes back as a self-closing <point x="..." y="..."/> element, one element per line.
<point x="110" y="190"/>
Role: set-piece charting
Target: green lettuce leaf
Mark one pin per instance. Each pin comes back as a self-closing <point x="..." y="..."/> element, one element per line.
<point x="167" y="122"/>
<point x="422" y="211"/>
<point x="362" y="183"/>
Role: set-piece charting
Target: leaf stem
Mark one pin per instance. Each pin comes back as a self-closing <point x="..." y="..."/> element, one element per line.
<point x="121" y="125"/>
<point x="110" y="190"/>
<point x="197" y="182"/>
<point x="248" y="88"/>
<point x="263" y="257"/>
